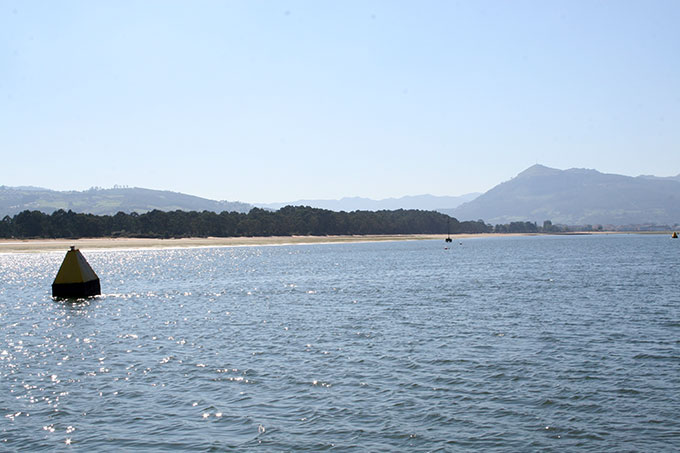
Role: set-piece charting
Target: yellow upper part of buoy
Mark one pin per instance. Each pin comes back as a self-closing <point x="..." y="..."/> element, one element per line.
<point x="74" y="269"/>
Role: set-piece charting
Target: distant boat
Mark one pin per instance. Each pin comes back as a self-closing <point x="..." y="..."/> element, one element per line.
<point x="674" y="235"/>
<point x="448" y="232"/>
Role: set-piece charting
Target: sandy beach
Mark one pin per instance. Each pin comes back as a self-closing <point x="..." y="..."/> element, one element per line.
<point x="46" y="245"/>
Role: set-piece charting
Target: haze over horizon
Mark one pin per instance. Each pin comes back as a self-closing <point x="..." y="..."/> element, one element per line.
<point x="269" y="102"/>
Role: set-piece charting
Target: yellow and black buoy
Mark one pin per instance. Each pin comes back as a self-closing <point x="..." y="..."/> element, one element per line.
<point x="75" y="277"/>
<point x="674" y="235"/>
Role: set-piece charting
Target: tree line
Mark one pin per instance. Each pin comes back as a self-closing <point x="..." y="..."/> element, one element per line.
<point x="533" y="227"/>
<point x="287" y="221"/>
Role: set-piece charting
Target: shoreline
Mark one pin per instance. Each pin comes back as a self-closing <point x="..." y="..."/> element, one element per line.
<point x="50" y="245"/>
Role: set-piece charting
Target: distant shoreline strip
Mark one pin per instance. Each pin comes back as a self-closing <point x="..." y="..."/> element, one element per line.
<point x="48" y="245"/>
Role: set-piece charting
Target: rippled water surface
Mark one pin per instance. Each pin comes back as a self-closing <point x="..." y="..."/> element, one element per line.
<point x="498" y="344"/>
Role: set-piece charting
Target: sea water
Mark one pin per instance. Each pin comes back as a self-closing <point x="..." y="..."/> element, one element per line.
<point x="549" y="343"/>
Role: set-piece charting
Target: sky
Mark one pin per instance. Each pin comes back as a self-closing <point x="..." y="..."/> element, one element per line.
<point x="266" y="101"/>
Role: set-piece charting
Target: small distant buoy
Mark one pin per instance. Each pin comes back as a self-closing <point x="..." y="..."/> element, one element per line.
<point x="675" y="235"/>
<point x="75" y="278"/>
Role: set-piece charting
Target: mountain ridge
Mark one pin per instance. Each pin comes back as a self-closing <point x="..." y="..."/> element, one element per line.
<point x="577" y="196"/>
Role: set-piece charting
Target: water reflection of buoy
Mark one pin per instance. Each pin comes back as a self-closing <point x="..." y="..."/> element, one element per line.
<point x="75" y="277"/>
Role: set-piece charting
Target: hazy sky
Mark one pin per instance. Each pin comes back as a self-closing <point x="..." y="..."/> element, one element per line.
<point x="264" y="101"/>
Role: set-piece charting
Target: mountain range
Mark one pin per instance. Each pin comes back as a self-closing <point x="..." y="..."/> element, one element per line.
<point x="109" y="201"/>
<point x="348" y="204"/>
<point x="570" y="197"/>
<point x="577" y="197"/>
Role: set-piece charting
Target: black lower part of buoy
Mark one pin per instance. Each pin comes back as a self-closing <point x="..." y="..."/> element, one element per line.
<point x="76" y="290"/>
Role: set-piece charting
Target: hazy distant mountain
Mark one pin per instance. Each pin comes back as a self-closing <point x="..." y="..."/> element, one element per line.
<point x="348" y="204"/>
<point x="661" y="178"/>
<point x="107" y="201"/>
<point x="577" y="197"/>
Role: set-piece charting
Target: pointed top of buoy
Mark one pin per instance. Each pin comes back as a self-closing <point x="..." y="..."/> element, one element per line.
<point x="75" y="269"/>
<point x="675" y="235"/>
<point x="75" y="277"/>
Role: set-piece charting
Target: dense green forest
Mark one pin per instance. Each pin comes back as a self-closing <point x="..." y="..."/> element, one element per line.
<point x="288" y="221"/>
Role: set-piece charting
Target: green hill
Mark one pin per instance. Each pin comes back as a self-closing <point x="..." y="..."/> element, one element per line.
<point x="107" y="201"/>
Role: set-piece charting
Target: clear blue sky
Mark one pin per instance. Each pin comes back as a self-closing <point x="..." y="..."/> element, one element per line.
<point x="264" y="101"/>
